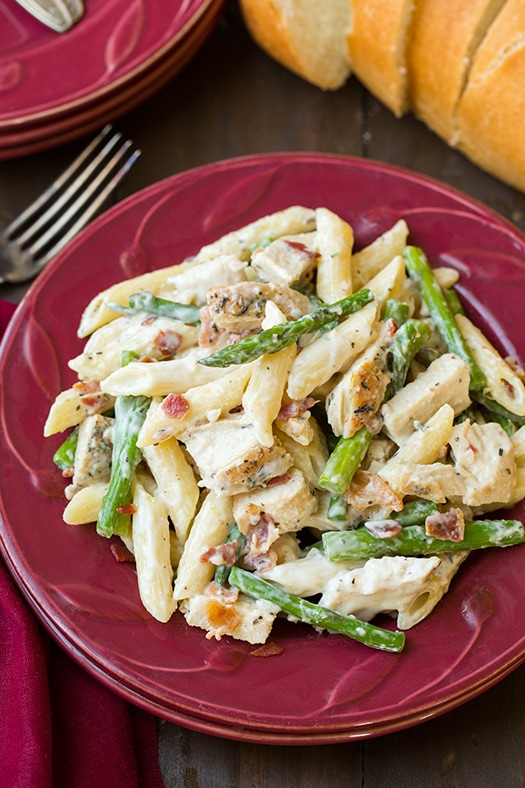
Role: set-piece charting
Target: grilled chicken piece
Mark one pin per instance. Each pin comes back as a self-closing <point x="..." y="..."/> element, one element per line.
<point x="287" y="504"/>
<point x="229" y="458"/>
<point x="484" y="455"/>
<point x="93" y="453"/>
<point x="241" y="307"/>
<point x="241" y="618"/>
<point x="357" y="397"/>
<point x="437" y="481"/>
<point x="445" y="381"/>
<point x="286" y="261"/>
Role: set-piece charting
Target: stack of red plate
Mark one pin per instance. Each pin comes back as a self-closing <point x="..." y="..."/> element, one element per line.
<point x="56" y="87"/>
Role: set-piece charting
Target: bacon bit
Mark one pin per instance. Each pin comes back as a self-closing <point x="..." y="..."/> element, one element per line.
<point x="391" y="328"/>
<point x="267" y="650"/>
<point x="262" y="562"/>
<point x="222" y="618"/>
<point x="127" y="508"/>
<point x="175" y="406"/>
<point x="237" y="336"/>
<point x="282" y="479"/>
<point x="383" y="529"/>
<point x="67" y="473"/>
<point x="220" y="555"/>
<point x="295" y="407"/>
<point x="303" y="251"/>
<point x="449" y="525"/>
<point x="149" y="320"/>
<point x="168" y="342"/>
<point x="262" y="535"/>
<point x="94" y="403"/>
<point x="147" y="360"/>
<point x="367" y="489"/>
<point x="121" y="553"/>
<point x="225" y="595"/>
<point x="87" y="386"/>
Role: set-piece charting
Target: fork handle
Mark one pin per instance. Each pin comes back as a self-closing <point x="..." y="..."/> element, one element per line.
<point x="59" y="15"/>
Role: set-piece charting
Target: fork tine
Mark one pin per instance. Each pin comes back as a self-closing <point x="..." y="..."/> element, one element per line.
<point x="76" y="166"/>
<point x="57" y="204"/>
<point x="91" y="208"/>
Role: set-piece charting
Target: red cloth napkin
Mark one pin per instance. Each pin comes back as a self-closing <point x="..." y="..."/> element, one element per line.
<point x="59" y="727"/>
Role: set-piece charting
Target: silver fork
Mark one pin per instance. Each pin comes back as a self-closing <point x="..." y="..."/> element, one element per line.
<point x="46" y="226"/>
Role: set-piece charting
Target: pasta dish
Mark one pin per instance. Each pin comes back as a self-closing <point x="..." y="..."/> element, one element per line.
<point x="284" y="425"/>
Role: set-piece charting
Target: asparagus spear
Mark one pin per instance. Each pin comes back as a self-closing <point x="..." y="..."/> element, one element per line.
<point x="412" y="540"/>
<point x="454" y="301"/>
<point x="344" y="461"/>
<point x="271" y="340"/>
<point x="414" y="512"/>
<point x="222" y="572"/>
<point x="337" y="509"/>
<point x="421" y="273"/>
<point x="396" y="310"/>
<point x="316" y="615"/>
<point x="64" y="457"/>
<point x="407" y="341"/>
<point x="130" y="413"/>
<point x="349" y="452"/>
<point x="162" y="307"/>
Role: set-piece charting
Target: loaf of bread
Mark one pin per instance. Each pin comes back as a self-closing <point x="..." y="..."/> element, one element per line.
<point x="458" y="65"/>
<point x="305" y="36"/>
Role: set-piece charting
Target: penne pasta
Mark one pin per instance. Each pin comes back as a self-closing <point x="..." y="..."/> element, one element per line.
<point x="502" y="383"/>
<point x="369" y="261"/>
<point x="204" y="403"/>
<point x="97" y="314"/>
<point x="331" y="352"/>
<point x="264" y="393"/>
<point x="335" y="239"/>
<point x="85" y="505"/>
<point x="210" y="528"/>
<point x="290" y="221"/>
<point x="176" y="483"/>
<point x="151" y="547"/>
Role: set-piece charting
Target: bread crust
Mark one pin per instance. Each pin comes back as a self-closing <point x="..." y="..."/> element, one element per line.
<point x="491" y="112"/>
<point x="305" y="36"/>
<point x="377" y="43"/>
<point x="459" y="65"/>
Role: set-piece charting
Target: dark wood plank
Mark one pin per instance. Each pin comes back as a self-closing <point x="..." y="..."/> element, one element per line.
<point x="233" y="100"/>
<point x="479" y="744"/>
<point x="192" y="759"/>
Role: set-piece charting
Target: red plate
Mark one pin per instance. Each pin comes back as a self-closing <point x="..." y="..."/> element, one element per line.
<point x="322" y="688"/>
<point x="48" y="79"/>
<point x="64" y="127"/>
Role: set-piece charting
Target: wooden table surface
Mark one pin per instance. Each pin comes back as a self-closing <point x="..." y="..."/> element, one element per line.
<point x="232" y="100"/>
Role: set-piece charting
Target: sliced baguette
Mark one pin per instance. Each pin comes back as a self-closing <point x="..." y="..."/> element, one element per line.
<point x="445" y="36"/>
<point x="377" y="48"/>
<point x="305" y="36"/>
<point x="491" y="112"/>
